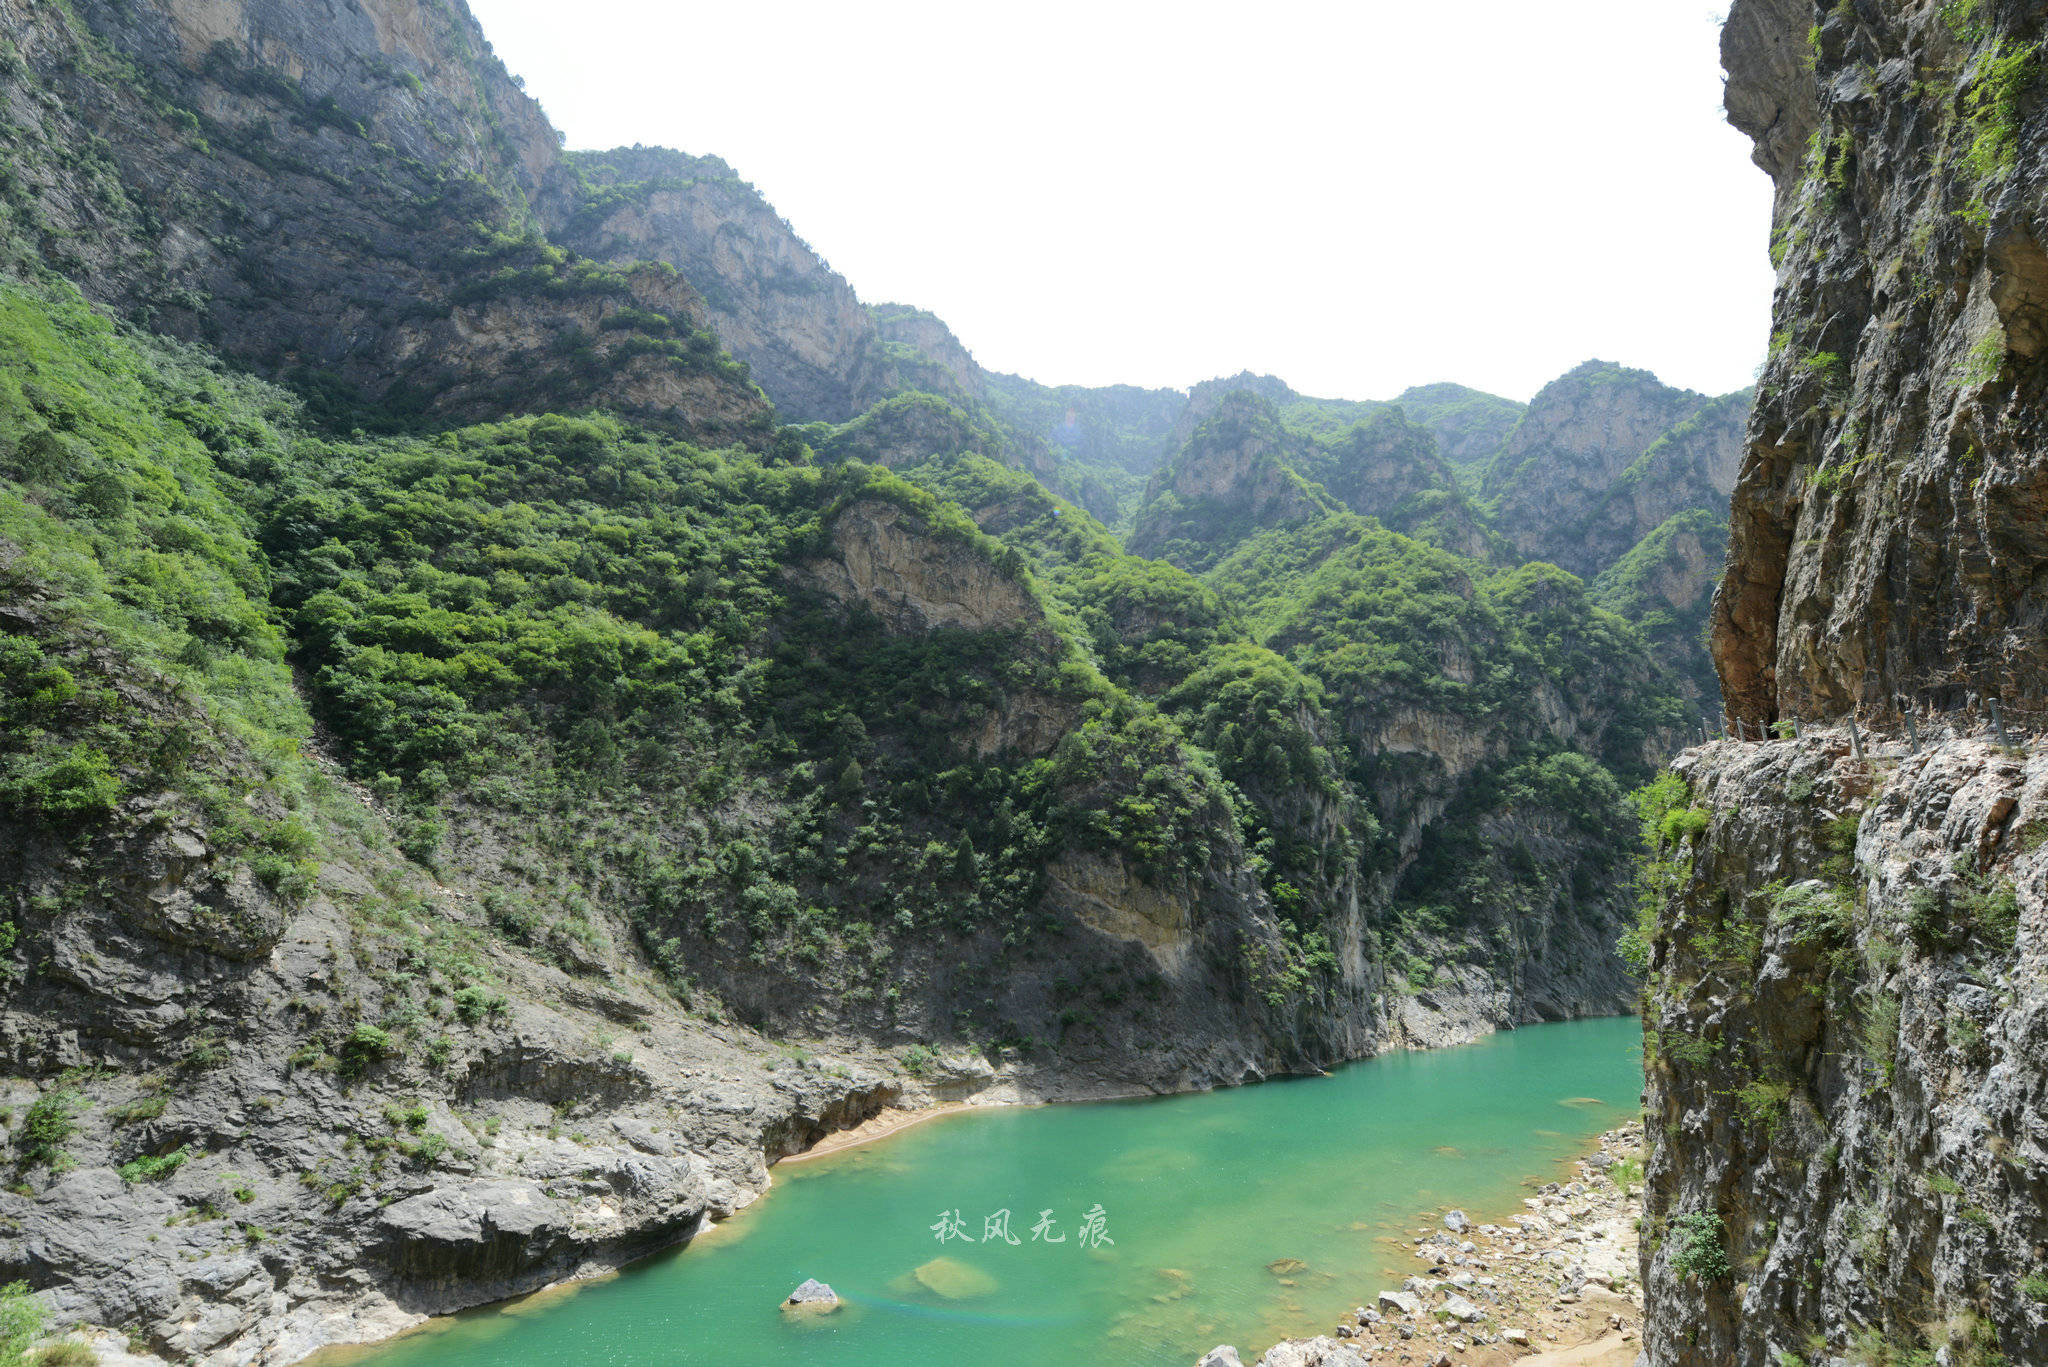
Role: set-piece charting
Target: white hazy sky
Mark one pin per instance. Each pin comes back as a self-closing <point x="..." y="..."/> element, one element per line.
<point x="1355" y="196"/>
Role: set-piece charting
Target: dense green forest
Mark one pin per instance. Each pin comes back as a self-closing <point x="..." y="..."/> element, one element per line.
<point x="592" y="633"/>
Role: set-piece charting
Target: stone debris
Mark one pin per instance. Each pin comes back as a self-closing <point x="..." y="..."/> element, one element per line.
<point x="1563" y="1278"/>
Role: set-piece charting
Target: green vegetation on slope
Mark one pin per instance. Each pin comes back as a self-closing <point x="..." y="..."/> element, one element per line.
<point x="562" y="634"/>
<point x="125" y="546"/>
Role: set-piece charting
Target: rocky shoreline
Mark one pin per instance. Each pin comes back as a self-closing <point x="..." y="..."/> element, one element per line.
<point x="1555" y="1286"/>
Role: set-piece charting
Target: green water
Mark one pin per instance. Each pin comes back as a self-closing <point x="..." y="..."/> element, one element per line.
<point x="1199" y="1193"/>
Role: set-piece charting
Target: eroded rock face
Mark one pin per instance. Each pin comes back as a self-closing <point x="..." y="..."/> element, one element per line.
<point x="1847" y="1041"/>
<point x="890" y="562"/>
<point x="1886" y="531"/>
<point x="1103" y="892"/>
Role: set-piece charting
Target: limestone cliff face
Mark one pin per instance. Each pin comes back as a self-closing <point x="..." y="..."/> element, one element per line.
<point x="771" y="299"/>
<point x="1844" y="1022"/>
<point x="337" y="196"/>
<point x="1688" y="467"/>
<point x="1577" y="481"/>
<point x="1845" y="1042"/>
<point x="1886" y="532"/>
<point x="888" y="562"/>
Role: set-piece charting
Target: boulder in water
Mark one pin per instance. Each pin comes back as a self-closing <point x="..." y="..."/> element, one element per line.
<point x="1223" y="1355"/>
<point x="1456" y="1222"/>
<point x="813" y="1296"/>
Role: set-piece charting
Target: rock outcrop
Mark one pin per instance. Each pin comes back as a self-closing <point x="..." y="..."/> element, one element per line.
<point x="1845" y="1048"/>
<point x="892" y="563"/>
<point x="1601" y="457"/>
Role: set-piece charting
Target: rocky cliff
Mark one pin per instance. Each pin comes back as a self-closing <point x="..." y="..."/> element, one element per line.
<point x="1844" y="929"/>
<point x="773" y="302"/>
<point x="1844" y="1044"/>
<point x="1886" y="525"/>
<point x="339" y="198"/>
<point x="1604" y="454"/>
<point x="1624" y="481"/>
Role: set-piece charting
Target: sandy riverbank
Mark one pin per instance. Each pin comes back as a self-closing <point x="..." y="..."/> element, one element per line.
<point x="891" y="1120"/>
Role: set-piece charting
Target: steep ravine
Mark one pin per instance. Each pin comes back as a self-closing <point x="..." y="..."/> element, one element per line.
<point x="254" y="1120"/>
<point x="467" y="807"/>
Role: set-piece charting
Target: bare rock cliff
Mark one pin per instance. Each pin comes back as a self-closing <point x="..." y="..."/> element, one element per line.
<point x="771" y="299"/>
<point x="1887" y="527"/>
<point x="1844" y="1019"/>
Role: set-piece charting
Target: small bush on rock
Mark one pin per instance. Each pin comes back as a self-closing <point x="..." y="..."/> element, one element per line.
<point x="1699" y="1248"/>
<point x="49" y="1122"/>
<point x="21" y="1320"/>
<point x="365" y="1045"/>
<point x="154" y="1167"/>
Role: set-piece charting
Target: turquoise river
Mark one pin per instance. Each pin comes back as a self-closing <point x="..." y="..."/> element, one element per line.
<point x="1203" y="1202"/>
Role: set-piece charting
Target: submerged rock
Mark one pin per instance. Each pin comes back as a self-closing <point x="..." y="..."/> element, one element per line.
<point x="813" y="1296"/>
<point x="952" y="1279"/>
